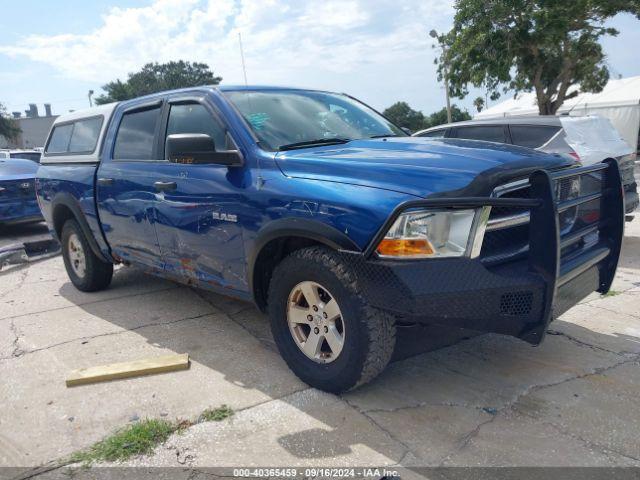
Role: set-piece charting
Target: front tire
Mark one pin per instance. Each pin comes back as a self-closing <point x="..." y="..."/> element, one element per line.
<point x="324" y="330"/>
<point x="86" y="271"/>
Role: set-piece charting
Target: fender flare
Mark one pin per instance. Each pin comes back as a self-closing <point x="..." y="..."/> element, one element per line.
<point x="69" y="201"/>
<point x="296" y="227"/>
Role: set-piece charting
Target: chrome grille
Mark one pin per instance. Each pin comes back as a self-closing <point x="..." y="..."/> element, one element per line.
<point x="507" y="232"/>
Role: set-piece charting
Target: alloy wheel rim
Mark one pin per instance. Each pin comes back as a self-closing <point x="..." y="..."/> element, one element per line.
<point x="76" y="255"/>
<point x="315" y="322"/>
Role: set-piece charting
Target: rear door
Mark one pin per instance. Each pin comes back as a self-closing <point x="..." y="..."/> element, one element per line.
<point x="198" y="222"/>
<point x="126" y="190"/>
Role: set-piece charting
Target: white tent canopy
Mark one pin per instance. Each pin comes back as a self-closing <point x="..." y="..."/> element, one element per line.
<point x="619" y="101"/>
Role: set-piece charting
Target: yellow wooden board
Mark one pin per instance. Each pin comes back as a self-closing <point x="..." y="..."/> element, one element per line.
<point x="145" y="366"/>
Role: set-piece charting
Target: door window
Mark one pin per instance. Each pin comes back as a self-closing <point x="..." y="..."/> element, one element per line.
<point x="194" y="118"/>
<point x="488" y="133"/>
<point x="532" y="136"/>
<point x="433" y="134"/>
<point x="136" y="134"/>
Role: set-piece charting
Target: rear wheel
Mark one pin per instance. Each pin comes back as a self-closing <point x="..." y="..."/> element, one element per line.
<point x="324" y="330"/>
<point x="86" y="271"/>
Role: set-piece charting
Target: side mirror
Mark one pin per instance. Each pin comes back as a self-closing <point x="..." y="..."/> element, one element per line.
<point x="198" y="148"/>
<point x="407" y="130"/>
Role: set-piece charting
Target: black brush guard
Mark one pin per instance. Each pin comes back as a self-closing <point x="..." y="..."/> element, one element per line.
<point x="520" y="298"/>
<point x="546" y="243"/>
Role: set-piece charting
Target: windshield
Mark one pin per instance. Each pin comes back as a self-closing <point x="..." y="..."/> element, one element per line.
<point x="286" y="118"/>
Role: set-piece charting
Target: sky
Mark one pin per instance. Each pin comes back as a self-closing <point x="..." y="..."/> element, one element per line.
<point x="379" y="51"/>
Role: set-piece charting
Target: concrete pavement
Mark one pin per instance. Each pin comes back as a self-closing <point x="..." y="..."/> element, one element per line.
<point x="486" y="400"/>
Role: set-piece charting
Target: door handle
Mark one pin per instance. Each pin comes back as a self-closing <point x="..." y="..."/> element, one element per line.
<point x="105" y="182"/>
<point x="165" y="186"/>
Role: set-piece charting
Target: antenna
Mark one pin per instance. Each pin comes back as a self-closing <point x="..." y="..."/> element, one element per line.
<point x="244" y="69"/>
<point x="259" y="179"/>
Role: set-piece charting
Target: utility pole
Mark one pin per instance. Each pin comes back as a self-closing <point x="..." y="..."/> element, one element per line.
<point x="90" y="100"/>
<point x="433" y="34"/>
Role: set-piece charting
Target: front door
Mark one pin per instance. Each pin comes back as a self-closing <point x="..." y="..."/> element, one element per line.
<point x="126" y="188"/>
<point x="198" y="223"/>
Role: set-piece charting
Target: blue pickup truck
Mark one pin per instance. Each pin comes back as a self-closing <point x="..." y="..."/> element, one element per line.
<point x="330" y="218"/>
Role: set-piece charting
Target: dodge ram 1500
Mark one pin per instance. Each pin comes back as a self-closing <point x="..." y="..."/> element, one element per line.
<point x="328" y="217"/>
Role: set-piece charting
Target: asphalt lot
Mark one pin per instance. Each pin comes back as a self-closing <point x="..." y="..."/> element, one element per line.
<point x="484" y="400"/>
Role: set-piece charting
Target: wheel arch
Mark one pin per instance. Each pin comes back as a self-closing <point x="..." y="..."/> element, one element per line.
<point x="281" y="237"/>
<point x="65" y="207"/>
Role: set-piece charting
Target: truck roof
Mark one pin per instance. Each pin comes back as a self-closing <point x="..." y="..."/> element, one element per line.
<point x="226" y="88"/>
<point x="107" y="109"/>
<point x="221" y="88"/>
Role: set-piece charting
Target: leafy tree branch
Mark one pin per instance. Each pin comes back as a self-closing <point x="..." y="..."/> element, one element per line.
<point x="157" y="77"/>
<point x="8" y="127"/>
<point x="550" y="47"/>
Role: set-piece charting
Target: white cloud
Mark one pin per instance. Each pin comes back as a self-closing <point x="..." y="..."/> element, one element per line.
<point x="280" y="37"/>
<point x="377" y="50"/>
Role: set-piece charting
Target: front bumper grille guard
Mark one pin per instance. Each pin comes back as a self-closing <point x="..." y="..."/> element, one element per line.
<point x="545" y="240"/>
<point x="546" y="243"/>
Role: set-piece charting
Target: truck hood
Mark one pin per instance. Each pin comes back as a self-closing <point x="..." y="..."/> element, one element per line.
<point x="419" y="166"/>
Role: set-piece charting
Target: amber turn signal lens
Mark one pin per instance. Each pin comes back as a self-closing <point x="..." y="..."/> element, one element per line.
<point x="404" y="247"/>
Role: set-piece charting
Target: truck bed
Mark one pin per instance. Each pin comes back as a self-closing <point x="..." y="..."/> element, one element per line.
<point x="76" y="184"/>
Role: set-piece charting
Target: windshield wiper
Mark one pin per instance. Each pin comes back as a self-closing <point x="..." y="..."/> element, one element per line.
<point x="311" y="143"/>
<point x="385" y="135"/>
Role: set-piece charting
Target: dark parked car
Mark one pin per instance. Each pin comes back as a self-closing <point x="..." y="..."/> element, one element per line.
<point x="18" y="203"/>
<point x="33" y="155"/>
<point x="544" y="133"/>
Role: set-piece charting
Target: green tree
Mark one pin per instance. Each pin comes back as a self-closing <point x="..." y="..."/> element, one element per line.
<point x="479" y="103"/>
<point x="8" y="127"/>
<point x="404" y="116"/>
<point x="440" y="117"/>
<point x="547" y="46"/>
<point x="156" y="77"/>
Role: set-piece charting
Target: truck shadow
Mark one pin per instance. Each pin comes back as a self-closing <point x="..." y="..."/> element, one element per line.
<point x="21" y="232"/>
<point x="433" y="366"/>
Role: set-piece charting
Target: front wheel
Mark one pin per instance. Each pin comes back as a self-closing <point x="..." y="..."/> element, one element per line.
<point x="324" y="330"/>
<point x="86" y="271"/>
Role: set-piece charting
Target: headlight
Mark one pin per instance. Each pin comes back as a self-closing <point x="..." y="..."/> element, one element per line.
<point x="428" y="233"/>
